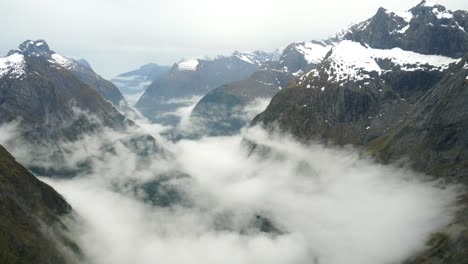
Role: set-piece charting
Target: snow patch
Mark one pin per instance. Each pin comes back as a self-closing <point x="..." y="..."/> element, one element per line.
<point x="313" y="53"/>
<point x="62" y="61"/>
<point x="404" y="29"/>
<point x="189" y="65"/>
<point x="243" y="57"/>
<point x="13" y="66"/>
<point x="407" y="16"/>
<point x="442" y="14"/>
<point x="352" y="61"/>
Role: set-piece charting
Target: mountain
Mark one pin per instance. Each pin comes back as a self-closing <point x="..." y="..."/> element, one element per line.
<point x="40" y="91"/>
<point x="31" y="230"/>
<point x="355" y="89"/>
<point x="372" y="75"/>
<point x="40" y="87"/>
<point x="79" y="68"/>
<point x="195" y="77"/>
<point x="423" y="29"/>
<point x="223" y="110"/>
<point x="132" y="84"/>
<point x="394" y="85"/>
<point x="434" y="128"/>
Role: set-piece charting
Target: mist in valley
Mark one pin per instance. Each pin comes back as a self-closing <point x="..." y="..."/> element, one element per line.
<point x="213" y="200"/>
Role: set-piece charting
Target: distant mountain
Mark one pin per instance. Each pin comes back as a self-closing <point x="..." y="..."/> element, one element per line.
<point x="132" y="84"/>
<point x="223" y="110"/>
<point x="195" y="78"/>
<point x="395" y="85"/>
<point x="44" y="93"/>
<point x="31" y="226"/>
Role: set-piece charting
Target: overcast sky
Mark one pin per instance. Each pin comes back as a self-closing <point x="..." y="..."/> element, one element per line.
<point x="119" y="35"/>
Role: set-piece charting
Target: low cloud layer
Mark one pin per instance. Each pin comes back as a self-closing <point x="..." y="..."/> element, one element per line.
<point x="211" y="200"/>
<point x="323" y="205"/>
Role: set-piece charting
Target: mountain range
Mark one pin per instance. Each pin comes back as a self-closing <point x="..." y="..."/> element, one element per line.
<point x="196" y="77"/>
<point x="222" y="111"/>
<point x="394" y="86"/>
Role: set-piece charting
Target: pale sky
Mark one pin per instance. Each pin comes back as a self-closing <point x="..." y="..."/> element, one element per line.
<point x="119" y="35"/>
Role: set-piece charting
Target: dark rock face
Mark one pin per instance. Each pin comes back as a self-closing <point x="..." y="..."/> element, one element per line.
<point x="194" y="78"/>
<point x="424" y="29"/>
<point x="107" y="89"/>
<point x="432" y="134"/>
<point x="30" y="227"/>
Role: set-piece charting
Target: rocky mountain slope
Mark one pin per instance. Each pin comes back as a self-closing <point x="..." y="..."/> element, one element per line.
<point x="132" y="84"/>
<point x="31" y="230"/>
<point x="195" y="78"/>
<point x="394" y="85"/>
<point x="423" y="29"/>
<point x="223" y="110"/>
<point x="50" y="104"/>
<point x="79" y="68"/>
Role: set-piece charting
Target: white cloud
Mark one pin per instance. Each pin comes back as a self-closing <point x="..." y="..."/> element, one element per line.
<point x="331" y="205"/>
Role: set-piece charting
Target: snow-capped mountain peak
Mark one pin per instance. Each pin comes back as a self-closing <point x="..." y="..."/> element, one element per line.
<point x="40" y="48"/>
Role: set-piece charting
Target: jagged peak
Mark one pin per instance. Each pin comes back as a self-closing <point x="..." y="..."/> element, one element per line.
<point x="33" y="48"/>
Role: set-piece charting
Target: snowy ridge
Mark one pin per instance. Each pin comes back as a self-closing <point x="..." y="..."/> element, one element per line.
<point x="61" y="61"/>
<point x="351" y="61"/>
<point x="12" y="66"/>
<point x="313" y="52"/>
<point x="257" y="57"/>
<point x="189" y="65"/>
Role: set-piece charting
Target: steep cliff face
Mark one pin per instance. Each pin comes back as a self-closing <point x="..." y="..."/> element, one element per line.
<point x="432" y="133"/>
<point x="31" y="230"/>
